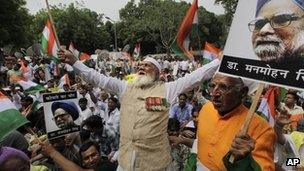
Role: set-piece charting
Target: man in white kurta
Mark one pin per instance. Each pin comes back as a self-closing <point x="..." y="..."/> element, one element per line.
<point x="144" y="144"/>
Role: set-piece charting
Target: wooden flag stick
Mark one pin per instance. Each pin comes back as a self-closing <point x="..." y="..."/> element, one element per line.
<point x="52" y="23"/>
<point x="250" y="114"/>
<point x="252" y="109"/>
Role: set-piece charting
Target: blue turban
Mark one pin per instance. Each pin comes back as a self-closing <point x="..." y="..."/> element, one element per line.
<point x="69" y="107"/>
<point x="261" y="3"/>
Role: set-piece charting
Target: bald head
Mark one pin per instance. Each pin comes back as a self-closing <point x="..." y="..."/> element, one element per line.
<point x="227" y="93"/>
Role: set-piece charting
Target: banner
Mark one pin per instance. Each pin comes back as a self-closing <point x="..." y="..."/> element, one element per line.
<point x="265" y="43"/>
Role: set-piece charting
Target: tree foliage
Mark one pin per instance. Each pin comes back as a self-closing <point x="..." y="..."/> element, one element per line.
<point x="80" y="25"/>
<point x="230" y="7"/>
<point x="154" y="23"/>
<point x="14" y="23"/>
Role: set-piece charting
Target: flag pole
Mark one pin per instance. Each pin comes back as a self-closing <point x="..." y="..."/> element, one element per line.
<point x="251" y="112"/>
<point x="52" y="23"/>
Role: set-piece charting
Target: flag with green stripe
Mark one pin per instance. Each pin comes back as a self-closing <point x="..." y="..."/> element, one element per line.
<point x="189" y="26"/>
<point x="48" y="42"/>
<point x="10" y="117"/>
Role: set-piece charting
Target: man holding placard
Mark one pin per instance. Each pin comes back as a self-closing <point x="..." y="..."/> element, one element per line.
<point x="218" y="132"/>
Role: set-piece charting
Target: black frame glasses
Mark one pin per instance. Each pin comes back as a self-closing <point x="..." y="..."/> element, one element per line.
<point x="277" y="21"/>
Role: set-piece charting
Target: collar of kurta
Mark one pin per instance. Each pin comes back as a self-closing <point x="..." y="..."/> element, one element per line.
<point x="236" y="111"/>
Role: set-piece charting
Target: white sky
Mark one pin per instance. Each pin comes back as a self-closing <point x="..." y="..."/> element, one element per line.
<point x="109" y="7"/>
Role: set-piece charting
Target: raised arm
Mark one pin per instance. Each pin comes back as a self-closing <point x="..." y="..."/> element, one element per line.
<point x="110" y="84"/>
<point x="173" y="89"/>
<point x="58" y="158"/>
<point x="281" y="120"/>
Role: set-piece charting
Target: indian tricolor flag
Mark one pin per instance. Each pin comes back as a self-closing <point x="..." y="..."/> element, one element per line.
<point x="10" y="117"/>
<point x="48" y="41"/>
<point x="64" y="80"/>
<point x="189" y="25"/>
<point x="80" y="55"/>
<point x="136" y="51"/>
<point x="267" y="105"/>
<point x="28" y="86"/>
<point x="211" y="52"/>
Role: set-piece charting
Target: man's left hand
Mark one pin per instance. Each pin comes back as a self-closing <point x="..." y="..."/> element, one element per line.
<point x="242" y="146"/>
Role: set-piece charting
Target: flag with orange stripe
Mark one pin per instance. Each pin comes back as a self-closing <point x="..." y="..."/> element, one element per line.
<point x="28" y="86"/>
<point x="80" y="55"/>
<point x="267" y="105"/>
<point x="211" y="52"/>
<point x="48" y="41"/>
<point x="64" y="80"/>
<point x="189" y="25"/>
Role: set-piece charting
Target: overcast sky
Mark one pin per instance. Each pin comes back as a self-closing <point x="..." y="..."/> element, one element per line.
<point x="109" y="7"/>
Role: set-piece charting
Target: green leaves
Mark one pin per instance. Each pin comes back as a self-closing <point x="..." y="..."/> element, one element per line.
<point x="80" y="25"/>
<point x="156" y="22"/>
<point x="14" y="23"/>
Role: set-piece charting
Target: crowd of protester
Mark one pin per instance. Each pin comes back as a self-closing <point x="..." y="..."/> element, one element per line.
<point x="96" y="146"/>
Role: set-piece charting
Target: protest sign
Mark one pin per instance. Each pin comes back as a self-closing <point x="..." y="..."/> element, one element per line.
<point x="265" y="42"/>
<point x="61" y="113"/>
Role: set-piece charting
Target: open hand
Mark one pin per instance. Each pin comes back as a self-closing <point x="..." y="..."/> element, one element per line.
<point x="282" y="118"/>
<point x="66" y="56"/>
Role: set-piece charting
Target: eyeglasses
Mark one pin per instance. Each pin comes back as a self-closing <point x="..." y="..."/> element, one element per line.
<point x="278" y="21"/>
<point x="223" y="88"/>
<point x="62" y="116"/>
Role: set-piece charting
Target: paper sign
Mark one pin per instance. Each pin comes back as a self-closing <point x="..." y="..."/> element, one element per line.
<point x="61" y="113"/>
<point x="265" y="43"/>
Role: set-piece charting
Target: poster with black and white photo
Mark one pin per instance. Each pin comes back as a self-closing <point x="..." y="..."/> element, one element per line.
<point x="266" y="42"/>
<point x="61" y="113"/>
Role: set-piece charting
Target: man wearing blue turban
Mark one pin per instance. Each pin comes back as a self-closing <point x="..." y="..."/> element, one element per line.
<point x="65" y="113"/>
<point x="277" y="30"/>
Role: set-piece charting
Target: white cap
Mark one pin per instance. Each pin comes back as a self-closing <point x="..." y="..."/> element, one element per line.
<point x="154" y="62"/>
<point x="28" y="58"/>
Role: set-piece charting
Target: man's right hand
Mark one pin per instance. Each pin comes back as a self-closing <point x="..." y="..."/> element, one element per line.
<point x="242" y="145"/>
<point x="66" y="56"/>
<point x="47" y="148"/>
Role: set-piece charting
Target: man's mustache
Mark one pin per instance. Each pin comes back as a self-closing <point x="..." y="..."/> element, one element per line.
<point x="270" y="38"/>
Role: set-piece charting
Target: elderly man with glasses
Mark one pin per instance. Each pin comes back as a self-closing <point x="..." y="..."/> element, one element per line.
<point x="277" y="30"/>
<point x="219" y="123"/>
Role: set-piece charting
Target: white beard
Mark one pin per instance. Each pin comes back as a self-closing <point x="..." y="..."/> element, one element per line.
<point x="298" y="42"/>
<point x="269" y="52"/>
<point x="143" y="80"/>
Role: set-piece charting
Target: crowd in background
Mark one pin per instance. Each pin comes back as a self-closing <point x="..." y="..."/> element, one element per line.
<point x="96" y="146"/>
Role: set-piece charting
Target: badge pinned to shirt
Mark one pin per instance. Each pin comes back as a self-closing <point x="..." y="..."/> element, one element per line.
<point x="156" y="104"/>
